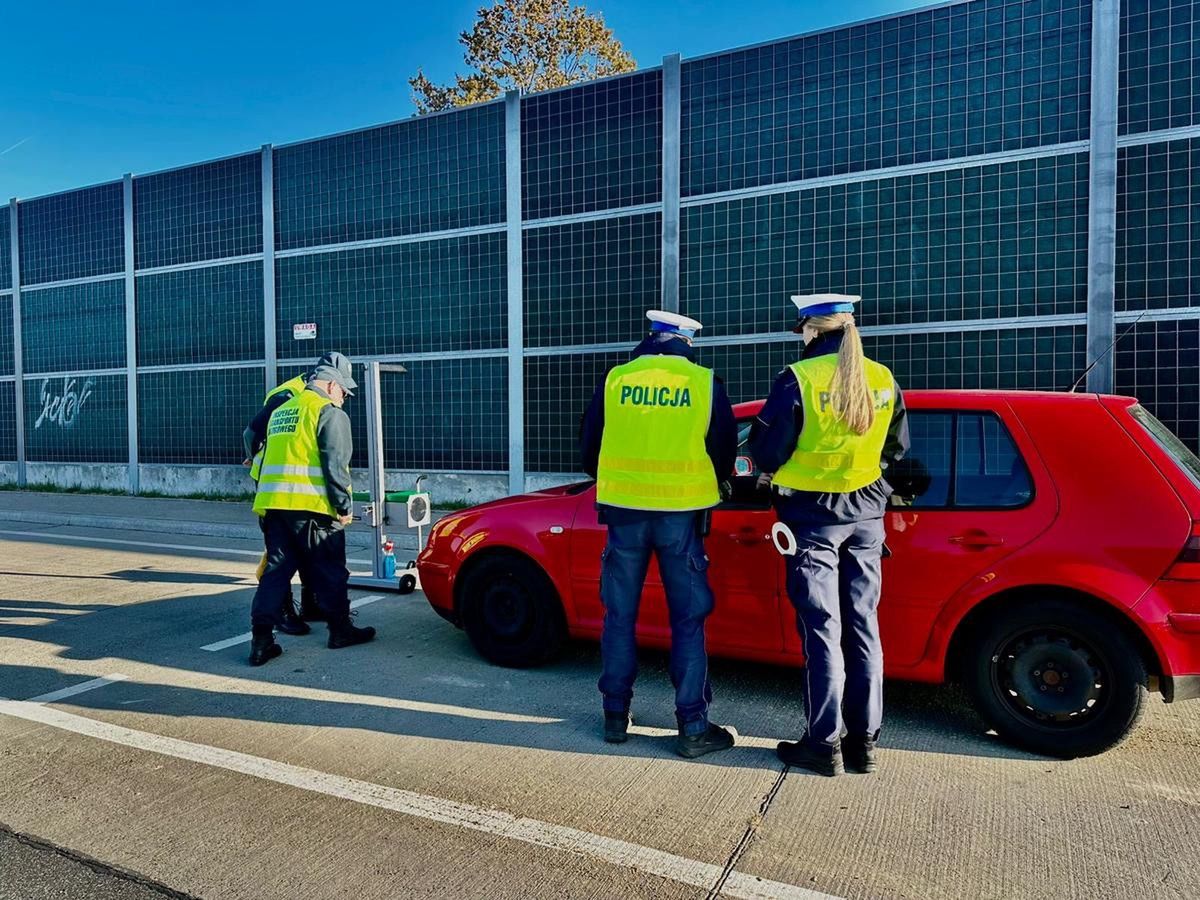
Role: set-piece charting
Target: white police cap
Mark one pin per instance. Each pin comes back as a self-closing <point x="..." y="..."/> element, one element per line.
<point x="672" y="323"/>
<point x="824" y="304"/>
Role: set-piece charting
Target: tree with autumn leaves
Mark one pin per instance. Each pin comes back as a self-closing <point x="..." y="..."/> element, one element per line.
<point x="526" y="45"/>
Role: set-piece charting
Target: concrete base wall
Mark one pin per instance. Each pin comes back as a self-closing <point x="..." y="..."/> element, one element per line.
<point x="176" y="481"/>
<point x="82" y="475"/>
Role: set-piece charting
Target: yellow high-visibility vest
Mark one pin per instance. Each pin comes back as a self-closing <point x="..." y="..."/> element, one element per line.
<point x="652" y="454"/>
<point x="291" y="475"/>
<point x="291" y="387"/>
<point x="829" y="457"/>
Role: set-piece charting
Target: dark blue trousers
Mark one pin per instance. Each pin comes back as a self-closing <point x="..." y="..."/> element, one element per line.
<point x="834" y="583"/>
<point x="674" y="538"/>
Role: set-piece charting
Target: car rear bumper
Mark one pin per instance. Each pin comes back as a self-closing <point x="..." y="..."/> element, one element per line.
<point x="1180" y="687"/>
<point x="1170" y="617"/>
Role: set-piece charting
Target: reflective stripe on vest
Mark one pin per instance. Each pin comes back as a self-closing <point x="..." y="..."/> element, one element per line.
<point x="829" y="457"/>
<point x="291" y="476"/>
<point x="652" y="454"/>
<point x="291" y="387"/>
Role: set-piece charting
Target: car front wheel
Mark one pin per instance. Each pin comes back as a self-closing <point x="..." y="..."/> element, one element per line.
<point x="511" y="612"/>
<point x="1056" y="678"/>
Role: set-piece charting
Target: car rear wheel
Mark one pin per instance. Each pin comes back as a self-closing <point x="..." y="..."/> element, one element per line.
<point x="1056" y="678"/>
<point x="511" y="612"/>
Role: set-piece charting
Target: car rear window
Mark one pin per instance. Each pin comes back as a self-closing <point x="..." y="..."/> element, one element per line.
<point x="960" y="460"/>
<point x="1187" y="461"/>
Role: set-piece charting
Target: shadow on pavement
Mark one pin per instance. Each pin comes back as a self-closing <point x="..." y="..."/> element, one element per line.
<point x="422" y="678"/>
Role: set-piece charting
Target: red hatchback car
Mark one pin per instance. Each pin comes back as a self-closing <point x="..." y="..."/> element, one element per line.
<point x="1045" y="551"/>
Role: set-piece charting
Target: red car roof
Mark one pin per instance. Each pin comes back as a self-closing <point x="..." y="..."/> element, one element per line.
<point x="927" y="399"/>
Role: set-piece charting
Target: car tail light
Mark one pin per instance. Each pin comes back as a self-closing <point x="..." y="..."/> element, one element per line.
<point x="1187" y="565"/>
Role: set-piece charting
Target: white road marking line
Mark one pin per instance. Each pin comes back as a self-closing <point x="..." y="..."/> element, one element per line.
<point x="120" y="543"/>
<point x="447" y="812"/>
<point x="243" y="638"/>
<point x="55" y="696"/>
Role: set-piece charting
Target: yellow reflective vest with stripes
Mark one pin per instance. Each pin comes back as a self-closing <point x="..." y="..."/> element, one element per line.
<point x="657" y="410"/>
<point x="291" y="476"/>
<point x="291" y="387"/>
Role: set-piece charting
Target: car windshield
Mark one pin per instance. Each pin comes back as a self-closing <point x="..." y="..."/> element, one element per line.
<point x="1187" y="461"/>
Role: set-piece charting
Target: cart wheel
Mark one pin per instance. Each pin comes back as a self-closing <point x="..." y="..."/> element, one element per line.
<point x="408" y="584"/>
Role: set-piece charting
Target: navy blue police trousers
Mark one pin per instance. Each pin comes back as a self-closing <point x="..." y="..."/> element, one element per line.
<point x="834" y="584"/>
<point x="674" y="538"/>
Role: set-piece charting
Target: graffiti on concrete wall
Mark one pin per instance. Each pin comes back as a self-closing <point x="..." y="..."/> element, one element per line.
<point x="62" y="403"/>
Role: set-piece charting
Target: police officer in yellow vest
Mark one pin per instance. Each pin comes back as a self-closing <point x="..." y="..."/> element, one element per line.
<point x="254" y="437"/>
<point x="831" y="424"/>
<point x="305" y="500"/>
<point x="659" y="437"/>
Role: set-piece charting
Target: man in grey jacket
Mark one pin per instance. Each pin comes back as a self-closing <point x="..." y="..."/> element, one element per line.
<point x="304" y="496"/>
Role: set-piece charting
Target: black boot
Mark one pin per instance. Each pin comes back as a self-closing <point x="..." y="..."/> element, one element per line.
<point x="309" y="610"/>
<point x="347" y="634"/>
<point x="291" y="623"/>
<point x="859" y="754"/>
<point x="263" y="648"/>
<point x="822" y="760"/>
<point x="616" y="727"/>
<point x="692" y="746"/>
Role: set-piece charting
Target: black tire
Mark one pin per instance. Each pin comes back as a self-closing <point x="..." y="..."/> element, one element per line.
<point x="511" y="612"/>
<point x="407" y="585"/>
<point x="1056" y="678"/>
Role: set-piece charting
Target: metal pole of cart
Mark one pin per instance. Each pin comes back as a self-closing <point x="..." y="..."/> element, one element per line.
<point x="375" y="512"/>
<point x="375" y="467"/>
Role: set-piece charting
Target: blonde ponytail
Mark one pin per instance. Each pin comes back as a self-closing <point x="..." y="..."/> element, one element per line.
<point x="850" y="391"/>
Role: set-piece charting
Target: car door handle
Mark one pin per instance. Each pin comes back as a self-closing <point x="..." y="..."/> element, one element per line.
<point x="976" y="540"/>
<point x="749" y="536"/>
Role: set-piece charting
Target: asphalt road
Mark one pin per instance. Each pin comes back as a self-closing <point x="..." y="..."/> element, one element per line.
<point x="410" y="767"/>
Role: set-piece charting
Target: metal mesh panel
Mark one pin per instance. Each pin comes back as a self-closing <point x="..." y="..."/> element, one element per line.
<point x="1041" y="359"/>
<point x="5" y="248"/>
<point x="211" y="211"/>
<point x="196" y="416"/>
<point x="8" y="423"/>
<point x="6" y="335"/>
<point x="1158" y="228"/>
<point x="991" y="242"/>
<point x="591" y="282"/>
<point x="75" y="328"/>
<point x="446" y="414"/>
<point x="749" y="370"/>
<point x="200" y="315"/>
<point x="76" y="418"/>
<point x="1159" y="363"/>
<point x="408" y="298"/>
<point x="426" y="174"/>
<point x="80" y="234"/>
<point x="557" y="391"/>
<point x="1159" y="80"/>
<point x="956" y="81"/>
<point x="598" y="146"/>
<point x="739" y="263"/>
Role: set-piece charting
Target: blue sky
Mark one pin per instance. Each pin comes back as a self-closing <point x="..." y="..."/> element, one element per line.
<point x="89" y="91"/>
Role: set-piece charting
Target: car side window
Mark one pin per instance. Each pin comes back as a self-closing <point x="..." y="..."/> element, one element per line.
<point x="988" y="469"/>
<point x="922" y="478"/>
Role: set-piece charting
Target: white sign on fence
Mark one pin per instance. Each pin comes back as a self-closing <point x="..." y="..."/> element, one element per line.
<point x="306" y="331"/>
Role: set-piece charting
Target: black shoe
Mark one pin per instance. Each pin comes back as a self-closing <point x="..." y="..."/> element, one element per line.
<point x="309" y="611"/>
<point x="691" y="746"/>
<point x="348" y="635"/>
<point x="291" y="623"/>
<point x="804" y="756"/>
<point x="263" y="649"/>
<point x="859" y="754"/>
<point x="616" y="727"/>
